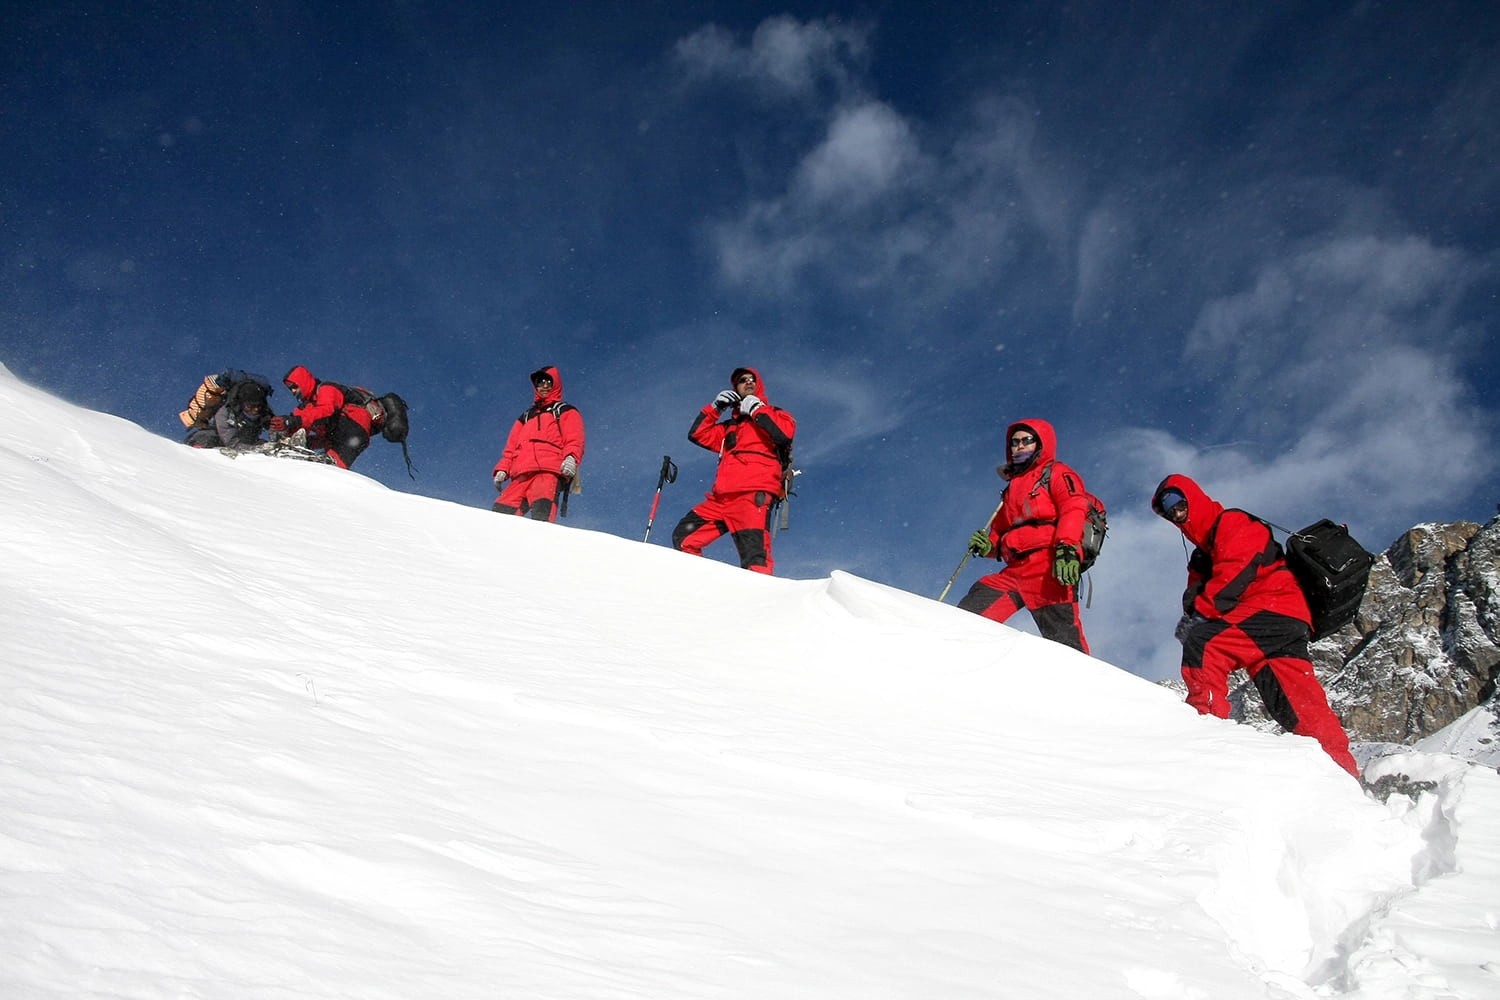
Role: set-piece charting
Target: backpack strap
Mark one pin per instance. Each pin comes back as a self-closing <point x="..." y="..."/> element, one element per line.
<point x="354" y="395"/>
<point x="557" y="409"/>
<point x="1213" y="531"/>
<point x="1267" y="557"/>
<point x="1044" y="481"/>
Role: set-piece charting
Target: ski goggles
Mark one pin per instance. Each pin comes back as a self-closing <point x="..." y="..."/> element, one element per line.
<point x="1171" y="504"/>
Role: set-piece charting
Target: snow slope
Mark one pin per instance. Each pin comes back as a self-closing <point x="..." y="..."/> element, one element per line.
<point x="269" y="730"/>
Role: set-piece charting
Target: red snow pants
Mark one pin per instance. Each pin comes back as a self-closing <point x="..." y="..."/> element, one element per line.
<point x="1273" y="648"/>
<point x="532" y="494"/>
<point x="1029" y="583"/>
<point x="745" y="517"/>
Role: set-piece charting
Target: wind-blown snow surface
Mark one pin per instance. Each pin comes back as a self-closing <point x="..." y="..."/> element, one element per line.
<point x="559" y="764"/>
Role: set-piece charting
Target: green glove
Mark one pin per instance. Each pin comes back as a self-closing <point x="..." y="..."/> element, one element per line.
<point x="980" y="544"/>
<point x="1066" y="566"/>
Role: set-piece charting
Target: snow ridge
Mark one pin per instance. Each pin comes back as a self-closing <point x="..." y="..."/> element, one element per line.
<point x="563" y="764"/>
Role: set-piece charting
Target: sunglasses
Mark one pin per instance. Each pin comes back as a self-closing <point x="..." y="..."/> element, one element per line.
<point x="1021" y="442"/>
<point x="745" y="378"/>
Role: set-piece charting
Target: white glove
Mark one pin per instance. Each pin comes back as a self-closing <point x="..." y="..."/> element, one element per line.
<point x="499" y="480"/>
<point x="750" y="404"/>
<point x="726" y="399"/>
<point x="569" y="467"/>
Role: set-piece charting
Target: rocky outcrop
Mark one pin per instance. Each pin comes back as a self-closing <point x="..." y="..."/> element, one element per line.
<point x="1425" y="647"/>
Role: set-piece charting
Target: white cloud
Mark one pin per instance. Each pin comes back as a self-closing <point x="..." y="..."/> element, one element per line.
<point x="869" y="207"/>
<point x="1341" y="299"/>
<point x="868" y="151"/>
<point x="876" y="203"/>
<point x="1363" y="448"/>
<point x="1349" y="355"/>
<point x="784" y="57"/>
<point x="850" y="407"/>
<point x="1104" y="241"/>
<point x="999" y="162"/>
<point x="760" y="250"/>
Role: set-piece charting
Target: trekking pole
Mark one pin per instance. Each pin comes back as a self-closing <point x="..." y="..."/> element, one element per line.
<point x="668" y="475"/>
<point x="967" y="553"/>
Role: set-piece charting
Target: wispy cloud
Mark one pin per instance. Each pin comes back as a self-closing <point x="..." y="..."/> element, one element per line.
<point x="869" y="150"/>
<point x="1343" y="297"/>
<point x="1351" y="351"/>
<point x="879" y="207"/>
<point x="784" y="57"/>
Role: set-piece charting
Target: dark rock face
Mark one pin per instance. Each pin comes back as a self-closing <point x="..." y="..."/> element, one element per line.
<point x="1426" y="645"/>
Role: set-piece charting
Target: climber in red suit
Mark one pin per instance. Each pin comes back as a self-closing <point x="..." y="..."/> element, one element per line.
<point x="1244" y="608"/>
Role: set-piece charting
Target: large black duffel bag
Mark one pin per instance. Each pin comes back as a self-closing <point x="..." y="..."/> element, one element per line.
<point x="1333" y="570"/>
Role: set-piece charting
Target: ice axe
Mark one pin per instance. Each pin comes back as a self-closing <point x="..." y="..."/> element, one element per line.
<point x="968" y="552"/>
<point x="566" y="487"/>
<point x="668" y="475"/>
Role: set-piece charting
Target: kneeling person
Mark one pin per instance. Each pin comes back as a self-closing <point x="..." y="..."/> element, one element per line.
<point x="336" y="425"/>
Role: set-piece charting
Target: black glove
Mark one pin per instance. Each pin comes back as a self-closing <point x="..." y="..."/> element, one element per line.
<point x="1186" y="624"/>
<point x="726" y="399"/>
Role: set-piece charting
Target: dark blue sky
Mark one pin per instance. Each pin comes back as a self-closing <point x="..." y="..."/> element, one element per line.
<point x="1254" y="245"/>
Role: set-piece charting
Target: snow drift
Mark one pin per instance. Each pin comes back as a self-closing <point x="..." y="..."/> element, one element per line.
<point x="271" y="730"/>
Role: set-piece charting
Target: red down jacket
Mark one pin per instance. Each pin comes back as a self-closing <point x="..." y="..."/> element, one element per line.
<point x="1034" y="517"/>
<point x="1241" y="570"/>
<point x="749" y="448"/>
<point x="321" y="403"/>
<point x="546" y="433"/>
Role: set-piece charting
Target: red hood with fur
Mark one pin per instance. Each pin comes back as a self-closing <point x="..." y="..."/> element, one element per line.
<point x="556" y="394"/>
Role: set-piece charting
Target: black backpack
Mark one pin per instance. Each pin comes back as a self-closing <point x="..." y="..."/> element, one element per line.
<point x="396" y="423"/>
<point x="1095" y="521"/>
<point x="389" y="411"/>
<point x="1333" y="570"/>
